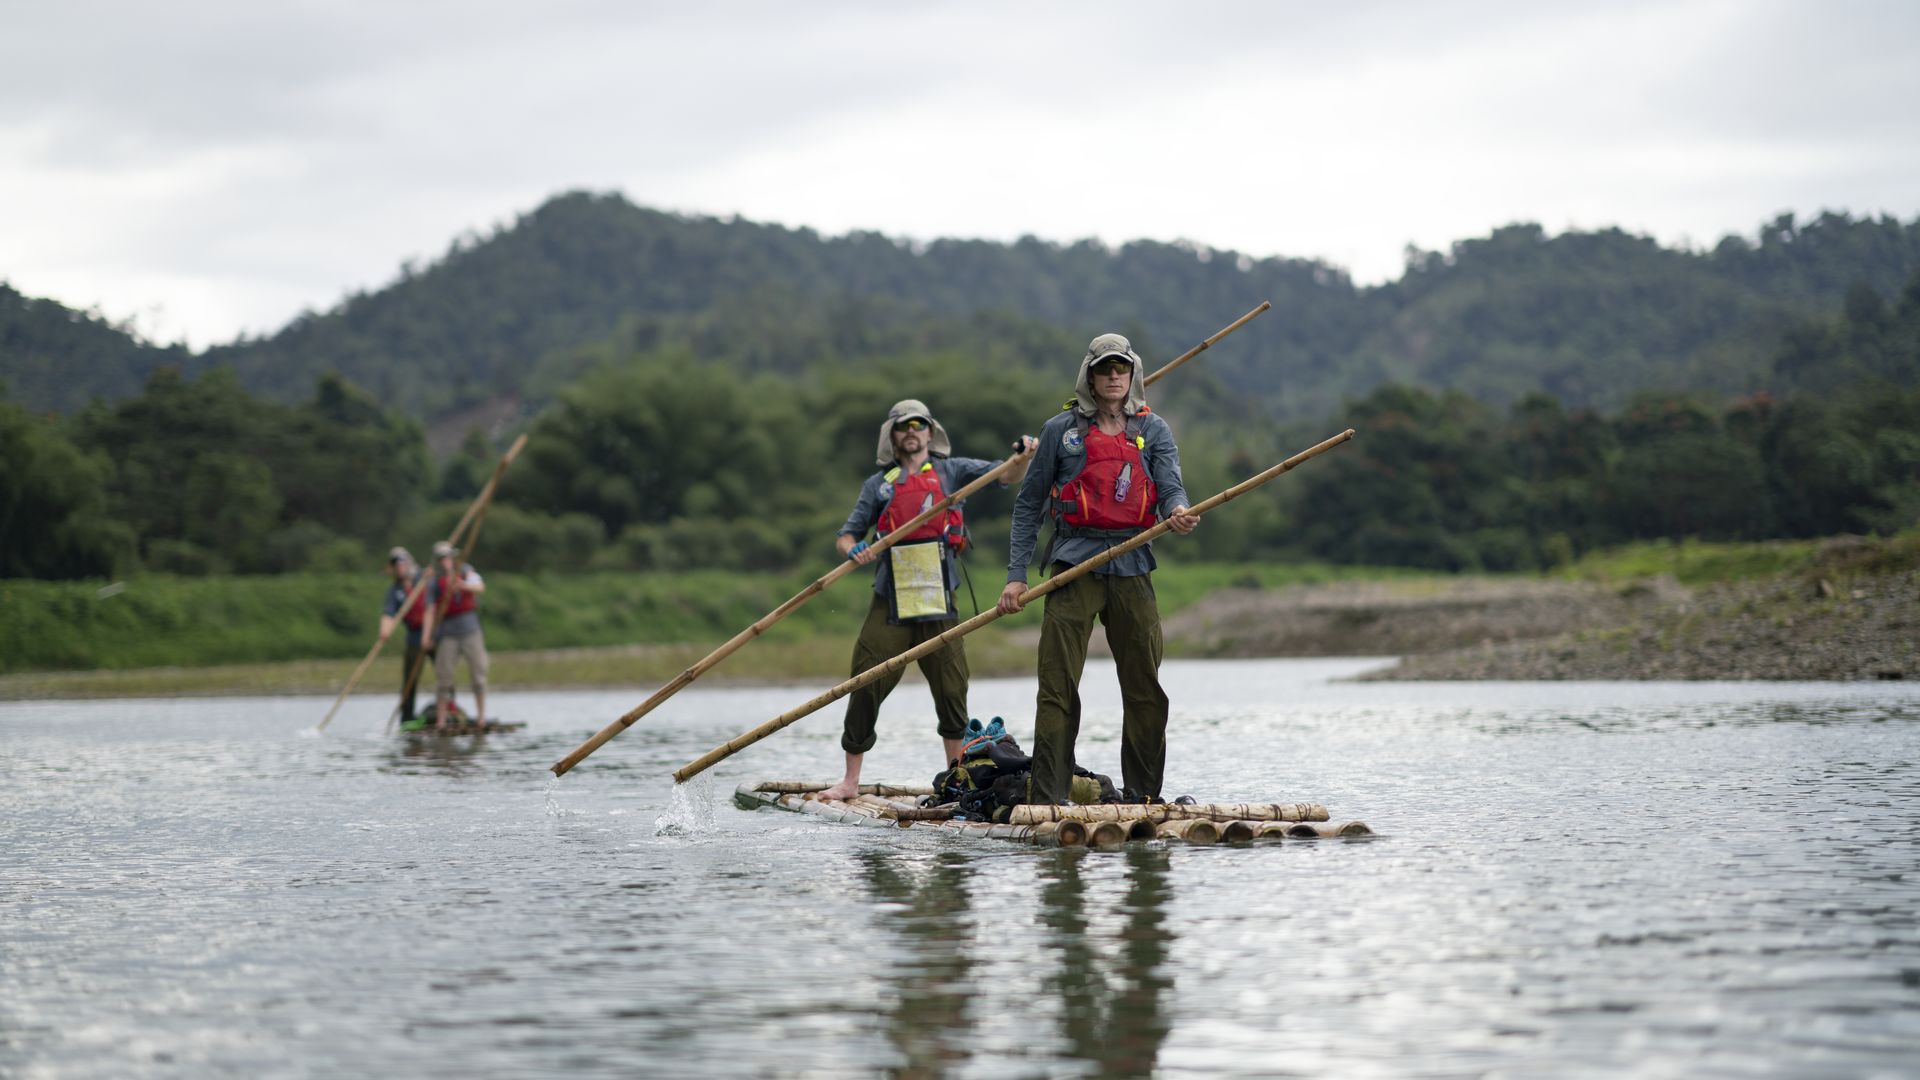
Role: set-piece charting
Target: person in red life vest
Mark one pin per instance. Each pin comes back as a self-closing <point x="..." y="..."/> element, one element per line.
<point x="913" y="580"/>
<point x="405" y="573"/>
<point x="454" y="632"/>
<point x="1106" y="469"/>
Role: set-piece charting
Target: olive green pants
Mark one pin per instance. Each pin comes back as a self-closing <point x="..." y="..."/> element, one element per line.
<point x="1126" y="607"/>
<point x="945" y="670"/>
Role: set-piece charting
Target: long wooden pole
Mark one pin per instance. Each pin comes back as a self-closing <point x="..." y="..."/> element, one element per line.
<point x="413" y="596"/>
<point x="713" y="659"/>
<point x="931" y="645"/>
<point x="1208" y="343"/>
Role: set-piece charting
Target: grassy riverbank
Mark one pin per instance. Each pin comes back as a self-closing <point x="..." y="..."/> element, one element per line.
<point x="1834" y="609"/>
<point x="304" y="633"/>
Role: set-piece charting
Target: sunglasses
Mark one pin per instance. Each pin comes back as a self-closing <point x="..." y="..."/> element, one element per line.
<point x="1104" y="370"/>
<point x="910" y="425"/>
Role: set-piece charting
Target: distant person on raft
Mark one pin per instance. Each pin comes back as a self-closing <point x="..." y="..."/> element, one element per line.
<point x="405" y="573"/>
<point x="455" y="633"/>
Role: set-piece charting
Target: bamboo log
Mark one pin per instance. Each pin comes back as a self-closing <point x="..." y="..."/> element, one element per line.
<point x="1274" y="830"/>
<point x="927" y="813"/>
<point x="1192" y="830"/>
<point x="1327" y="830"/>
<point x="1250" y="811"/>
<point x="1142" y="829"/>
<point x="1238" y="831"/>
<point x="1060" y="834"/>
<point x="1065" y="577"/>
<point x="459" y="530"/>
<point x="1107" y="834"/>
<point x="733" y="644"/>
<point x="1034" y="814"/>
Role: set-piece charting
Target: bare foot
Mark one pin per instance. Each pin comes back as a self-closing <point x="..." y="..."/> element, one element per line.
<point x="841" y="792"/>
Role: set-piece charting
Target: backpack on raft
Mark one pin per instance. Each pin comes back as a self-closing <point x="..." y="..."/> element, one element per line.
<point x="990" y="776"/>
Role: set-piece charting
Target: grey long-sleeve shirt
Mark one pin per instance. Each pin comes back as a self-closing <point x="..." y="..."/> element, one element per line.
<point x="954" y="472"/>
<point x="1052" y="462"/>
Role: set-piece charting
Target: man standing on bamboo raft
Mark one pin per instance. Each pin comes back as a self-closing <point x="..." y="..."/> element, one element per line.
<point x="456" y="631"/>
<point x="405" y="574"/>
<point x="1106" y="469"/>
<point x="913" y="581"/>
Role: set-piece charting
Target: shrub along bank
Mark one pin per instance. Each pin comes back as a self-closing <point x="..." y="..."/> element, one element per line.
<point x="169" y="621"/>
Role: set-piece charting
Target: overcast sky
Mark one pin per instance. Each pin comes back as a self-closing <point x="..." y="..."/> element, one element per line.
<point x="209" y="168"/>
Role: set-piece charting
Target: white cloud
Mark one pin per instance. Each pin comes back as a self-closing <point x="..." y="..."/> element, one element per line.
<point x="231" y="164"/>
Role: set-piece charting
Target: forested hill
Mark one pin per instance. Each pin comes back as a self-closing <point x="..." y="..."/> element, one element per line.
<point x="1588" y="317"/>
<point x="53" y="358"/>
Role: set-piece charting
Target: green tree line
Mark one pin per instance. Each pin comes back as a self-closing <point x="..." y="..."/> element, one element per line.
<point x="657" y="460"/>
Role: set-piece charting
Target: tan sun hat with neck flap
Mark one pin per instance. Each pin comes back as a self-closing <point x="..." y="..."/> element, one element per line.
<point x="908" y="409"/>
<point x="1109" y="347"/>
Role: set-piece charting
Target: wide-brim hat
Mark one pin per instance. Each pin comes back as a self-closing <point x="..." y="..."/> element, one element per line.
<point x="908" y="409"/>
<point x="444" y="550"/>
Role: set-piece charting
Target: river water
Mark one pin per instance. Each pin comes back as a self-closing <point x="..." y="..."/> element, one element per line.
<point x="1667" y="879"/>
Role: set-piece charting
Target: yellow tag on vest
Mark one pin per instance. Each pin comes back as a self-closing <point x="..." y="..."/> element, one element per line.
<point x="919" y="584"/>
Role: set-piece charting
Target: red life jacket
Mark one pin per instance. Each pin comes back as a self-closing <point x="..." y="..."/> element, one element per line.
<point x="914" y="493"/>
<point x="462" y="602"/>
<point x="416" y="615"/>
<point x="1113" y="492"/>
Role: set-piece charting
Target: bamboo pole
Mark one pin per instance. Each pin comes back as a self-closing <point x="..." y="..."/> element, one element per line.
<point x="733" y="644"/>
<point x="802" y="787"/>
<point x="1208" y="344"/>
<point x="1328" y="830"/>
<point x="1106" y="834"/>
<point x="1238" y="831"/>
<point x="872" y="674"/>
<point x="459" y="529"/>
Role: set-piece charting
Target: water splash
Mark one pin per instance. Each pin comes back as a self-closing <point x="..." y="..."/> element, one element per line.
<point x="554" y="809"/>
<point x="690" y="810"/>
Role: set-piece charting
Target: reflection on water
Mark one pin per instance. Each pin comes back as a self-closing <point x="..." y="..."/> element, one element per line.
<point x="452" y="755"/>
<point x="928" y="993"/>
<point x="1109" y="981"/>
<point x="1101" y="961"/>
<point x="1647" y="880"/>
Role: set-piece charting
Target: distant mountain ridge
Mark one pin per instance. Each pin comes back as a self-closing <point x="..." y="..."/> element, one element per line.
<point x="1589" y="317"/>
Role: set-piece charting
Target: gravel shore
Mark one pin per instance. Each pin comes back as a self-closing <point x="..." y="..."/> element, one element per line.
<point x="1827" y="623"/>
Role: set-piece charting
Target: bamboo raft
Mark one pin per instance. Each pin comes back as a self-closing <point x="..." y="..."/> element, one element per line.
<point x="899" y="806"/>
<point x="464" y="726"/>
